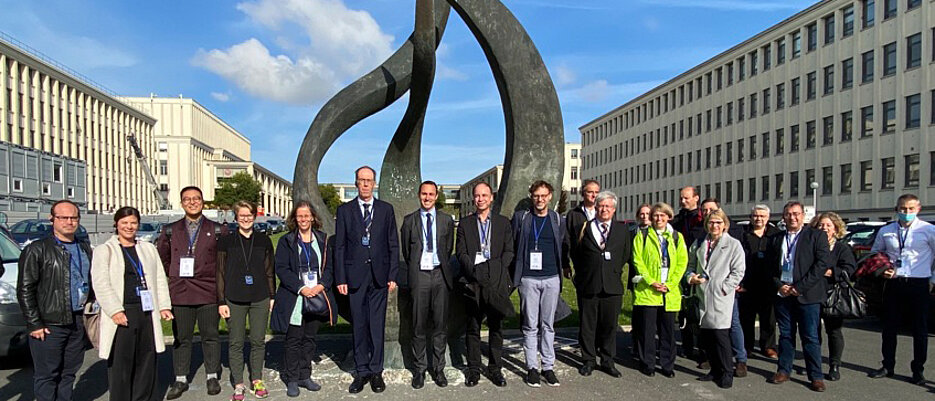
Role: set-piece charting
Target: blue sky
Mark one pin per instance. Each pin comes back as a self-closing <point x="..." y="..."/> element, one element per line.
<point x="267" y="66"/>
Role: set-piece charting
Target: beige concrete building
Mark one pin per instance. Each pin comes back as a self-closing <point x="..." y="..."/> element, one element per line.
<point x="47" y="107"/>
<point x="196" y="147"/>
<point x="840" y="94"/>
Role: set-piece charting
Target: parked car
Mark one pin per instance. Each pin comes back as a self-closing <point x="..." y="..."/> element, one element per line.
<point x="149" y="231"/>
<point x="276" y="226"/>
<point x="232" y="227"/>
<point x="27" y="231"/>
<point x="262" y="227"/>
<point x="860" y="236"/>
<point x="13" y="333"/>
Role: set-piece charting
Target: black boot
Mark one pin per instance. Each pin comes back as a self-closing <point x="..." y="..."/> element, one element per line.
<point x="834" y="372"/>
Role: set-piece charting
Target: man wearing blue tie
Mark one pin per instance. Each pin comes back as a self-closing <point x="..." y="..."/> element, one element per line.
<point x="366" y="261"/>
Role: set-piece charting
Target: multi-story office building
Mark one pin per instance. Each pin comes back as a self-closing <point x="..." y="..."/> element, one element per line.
<point x="31" y="180"/>
<point x="839" y="95"/>
<point x="46" y="107"/>
<point x="196" y="147"/>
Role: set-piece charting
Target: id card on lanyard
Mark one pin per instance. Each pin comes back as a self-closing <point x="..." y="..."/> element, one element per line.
<point x="787" y="266"/>
<point x="84" y="288"/>
<point x="902" y="267"/>
<point x="187" y="263"/>
<point x="535" y="256"/>
<point x="310" y="275"/>
<point x="484" y="241"/>
<point x="142" y="290"/>
<point x="664" y="248"/>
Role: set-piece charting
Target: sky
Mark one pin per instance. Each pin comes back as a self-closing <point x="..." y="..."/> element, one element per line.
<point x="267" y="66"/>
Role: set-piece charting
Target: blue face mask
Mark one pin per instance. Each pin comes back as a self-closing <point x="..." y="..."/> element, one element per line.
<point x="906" y="217"/>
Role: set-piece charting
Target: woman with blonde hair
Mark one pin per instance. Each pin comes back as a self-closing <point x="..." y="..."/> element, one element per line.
<point x="843" y="265"/>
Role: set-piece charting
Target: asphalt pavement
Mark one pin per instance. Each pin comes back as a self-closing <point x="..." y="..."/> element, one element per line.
<point x="861" y="355"/>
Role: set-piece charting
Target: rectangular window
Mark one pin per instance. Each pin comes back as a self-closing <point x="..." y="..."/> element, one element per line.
<point x="767" y="57"/>
<point x="740" y="188"/>
<point x="779" y="186"/>
<point x="708" y="121"/>
<point x="847" y="73"/>
<point x="845" y="178"/>
<point x="866" y="175"/>
<point x="46" y="188"/>
<point x="812" y="36"/>
<point x="752" y="147"/>
<point x="57" y="172"/>
<point x="752" y="186"/>
<point x="848" y="28"/>
<point x="827" y="130"/>
<point x="163" y="167"/>
<point x="912" y="171"/>
<point x="889" y="59"/>
<point x="740" y="109"/>
<point x="866" y="67"/>
<point x="718" y="117"/>
<point x="574" y="153"/>
<point x="766" y="101"/>
<point x="717" y="156"/>
<point x="913" y="111"/>
<point x="829" y="80"/>
<point x="847" y="126"/>
<point x="720" y="77"/>
<point x="932" y="168"/>
<point x="728" y="195"/>
<point x="780" y="141"/>
<point x="866" y="122"/>
<point x="794" y="184"/>
<point x="810" y="85"/>
<point x="914" y="51"/>
<point x="794" y="138"/>
<point x="829" y="29"/>
<point x="888" y="166"/>
<point x="796" y="90"/>
<point x="708" y="83"/>
<point x="780" y="51"/>
<point x="730" y="113"/>
<point x="753" y="105"/>
<point x="71" y="192"/>
<point x="868" y="13"/>
<point x="17" y="185"/>
<point x="574" y="173"/>
<point x="889" y="8"/>
<point x="730" y="74"/>
<point x="809" y="179"/>
<point x="707" y="158"/>
<point x="740" y="151"/>
<point x="796" y="44"/>
<point x="913" y="4"/>
<point x="932" y="116"/>
<point x="764" y="181"/>
<point x="827" y="180"/>
<point x="753" y="63"/>
<point x="889" y="116"/>
<point x="780" y="96"/>
<point x="765" y="145"/>
<point x="729" y="153"/>
<point x="810" y="135"/>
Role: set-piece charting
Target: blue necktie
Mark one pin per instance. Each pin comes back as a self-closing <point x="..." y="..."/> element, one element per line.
<point x="428" y="233"/>
<point x="367" y="217"/>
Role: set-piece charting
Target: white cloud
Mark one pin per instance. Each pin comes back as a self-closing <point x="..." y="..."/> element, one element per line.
<point x="564" y="75"/>
<point x="443" y="71"/>
<point x="734" y="5"/>
<point x="595" y="91"/>
<point x="326" y="44"/>
<point x="221" y="97"/>
<point x="600" y="90"/>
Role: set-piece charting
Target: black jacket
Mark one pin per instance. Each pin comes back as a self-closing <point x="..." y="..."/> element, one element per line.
<point x="843" y="263"/>
<point x="812" y="259"/>
<point x="595" y="275"/>
<point x="759" y="274"/>
<point x="493" y="275"/>
<point x="44" y="284"/>
<point x="690" y="224"/>
<point x="575" y="219"/>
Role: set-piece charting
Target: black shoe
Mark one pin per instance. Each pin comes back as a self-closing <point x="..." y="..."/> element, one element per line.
<point x="176" y="390"/>
<point x="586" y="369"/>
<point x="612" y="371"/>
<point x="358" y="384"/>
<point x="917" y="378"/>
<point x="668" y="373"/>
<point x="497" y="379"/>
<point x="550" y="379"/>
<point x="376" y="383"/>
<point x="418" y="380"/>
<point x="708" y="377"/>
<point x="471" y="378"/>
<point x="648" y="371"/>
<point x="725" y="384"/>
<point x="214" y="386"/>
<point x="440" y="379"/>
<point x="532" y="378"/>
<point x="882" y="372"/>
<point x="834" y="373"/>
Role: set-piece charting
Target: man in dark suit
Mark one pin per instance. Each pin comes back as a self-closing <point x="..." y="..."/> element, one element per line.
<point x="599" y="250"/>
<point x="578" y="217"/>
<point x="485" y="253"/>
<point x="188" y="249"/>
<point x="800" y="257"/>
<point x="426" y="239"/>
<point x="366" y="260"/>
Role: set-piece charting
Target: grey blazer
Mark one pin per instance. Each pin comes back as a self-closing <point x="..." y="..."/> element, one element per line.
<point x="725" y="269"/>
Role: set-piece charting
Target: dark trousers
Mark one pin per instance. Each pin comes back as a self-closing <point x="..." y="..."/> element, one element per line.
<point x="476" y="313"/>
<point x="258" y="315"/>
<point x="57" y="359"/>
<point x="299" y="349"/>
<point x="368" y="318"/>
<point x="906" y="296"/>
<point x="131" y="367"/>
<point x="654" y="320"/>
<point x="598" y="327"/>
<point x="183" y="328"/>
<point x="716" y="344"/>
<point x="833" y="327"/>
<point x="758" y="304"/>
<point x="430" y="311"/>
<point x="793" y="316"/>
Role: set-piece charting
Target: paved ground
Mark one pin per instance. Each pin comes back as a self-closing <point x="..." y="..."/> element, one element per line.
<point x="861" y="355"/>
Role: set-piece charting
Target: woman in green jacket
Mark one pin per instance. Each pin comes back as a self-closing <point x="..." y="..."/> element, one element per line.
<point x="658" y="297"/>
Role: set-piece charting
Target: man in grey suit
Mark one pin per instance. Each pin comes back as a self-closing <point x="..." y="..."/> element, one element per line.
<point x="426" y="239"/>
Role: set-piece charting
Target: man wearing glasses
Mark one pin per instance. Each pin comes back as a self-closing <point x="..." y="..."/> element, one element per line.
<point x="188" y="249"/>
<point x="52" y="290"/>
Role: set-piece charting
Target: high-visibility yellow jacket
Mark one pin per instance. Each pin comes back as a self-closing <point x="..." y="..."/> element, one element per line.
<point x="647" y="259"/>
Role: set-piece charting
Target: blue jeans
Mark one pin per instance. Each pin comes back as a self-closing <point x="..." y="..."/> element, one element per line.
<point x="792" y="315"/>
<point x="736" y="334"/>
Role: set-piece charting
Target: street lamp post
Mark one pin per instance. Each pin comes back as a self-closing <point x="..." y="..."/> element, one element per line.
<point x="815" y="186"/>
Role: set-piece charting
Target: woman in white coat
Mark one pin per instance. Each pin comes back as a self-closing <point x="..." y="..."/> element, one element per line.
<point x="130" y="285"/>
<point x="715" y="267"/>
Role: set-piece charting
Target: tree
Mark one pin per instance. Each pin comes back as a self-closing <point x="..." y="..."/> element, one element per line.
<point x="563" y="202"/>
<point x="239" y="187"/>
<point x="330" y="195"/>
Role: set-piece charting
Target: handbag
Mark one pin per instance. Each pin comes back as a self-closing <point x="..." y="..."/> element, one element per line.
<point x="843" y="300"/>
<point x="92" y="323"/>
<point x="691" y="306"/>
<point x="318" y="305"/>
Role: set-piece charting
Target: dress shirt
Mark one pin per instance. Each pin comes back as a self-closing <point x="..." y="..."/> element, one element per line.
<point x="917" y="254"/>
<point x="596" y="230"/>
<point x="423" y="213"/>
<point x="590" y="213"/>
<point x="361" y="203"/>
<point x="787" y="239"/>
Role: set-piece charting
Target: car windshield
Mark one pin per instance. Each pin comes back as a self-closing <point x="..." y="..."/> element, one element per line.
<point x="147" y="226"/>
<point x="9" y="250"/>
<point x="862" y="237"/>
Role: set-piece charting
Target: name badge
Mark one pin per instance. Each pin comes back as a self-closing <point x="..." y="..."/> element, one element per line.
<point x="310" y="279"/>
<point x="606" y="255"/>
<point x="427" y="262"/>
<point x="187" y="267"/>
<point x="665" y="274"/>
<point x="365" y="240"/>
<point x="248" y="279"/>
<point x="479" y="258"/>
<point x="535" y="260"/>
<point x="786" y="273"/>
<point x="83" y="294"/>
<point x="760" y="255"/>
<point x="146" y="299"/>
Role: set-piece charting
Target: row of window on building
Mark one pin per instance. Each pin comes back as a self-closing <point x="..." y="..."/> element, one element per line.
<point x="752" y="62"/>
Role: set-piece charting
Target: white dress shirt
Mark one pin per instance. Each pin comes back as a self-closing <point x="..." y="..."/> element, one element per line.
<point x="360" y="205"/>
<point x="596" y="230"/>
<point x="589" y="213"/>
<point x="423" y="213"/>
<point x="918" y="250"/>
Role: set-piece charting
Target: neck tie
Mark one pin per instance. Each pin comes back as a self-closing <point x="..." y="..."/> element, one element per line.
<point x="603" y="235"/>
<point x="367" y="217"/>
<point x="428" y="232"/>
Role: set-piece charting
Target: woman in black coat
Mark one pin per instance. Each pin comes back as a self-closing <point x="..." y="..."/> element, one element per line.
<point x="302" y="271"/>
<point x="843" y="265"/>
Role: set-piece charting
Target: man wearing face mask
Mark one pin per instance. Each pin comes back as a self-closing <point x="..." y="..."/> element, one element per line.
<point x="910" y="245"/>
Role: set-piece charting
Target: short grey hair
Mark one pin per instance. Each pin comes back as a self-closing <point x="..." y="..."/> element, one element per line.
<point x="760" y="207"/>
<point x="604" y="195"/>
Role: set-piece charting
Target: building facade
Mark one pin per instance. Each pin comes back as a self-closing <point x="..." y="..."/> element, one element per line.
<point x="32" y="180"/>
<point x="839" y="97"/>
<point x="63" y="116"/>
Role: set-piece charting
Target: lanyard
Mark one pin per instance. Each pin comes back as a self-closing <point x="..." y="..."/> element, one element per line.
<point x="902" y="238"/>
<point x="137" y="265"/>
<point x="711" y="246"/>
<point x="425" y="232"/>
<point x="71" y="258"/>
<point x="193" y="238"/>
<point x="664" y="247"/>
<point x="246" y="258"/>
<point x="790" y="245"/>
<point x="536" y="232"/>
<point x="484" y="233"/>
<point x="604" y="232"/>
<point x="306" y="249"/>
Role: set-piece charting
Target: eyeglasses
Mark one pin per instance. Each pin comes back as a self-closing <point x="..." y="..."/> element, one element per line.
<point x="67" y="218"/>
<point x="365" y="181"/>
<point x="540" y="196"/>
<point x="192" y="200"/>
<point x="245" y="217"/>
